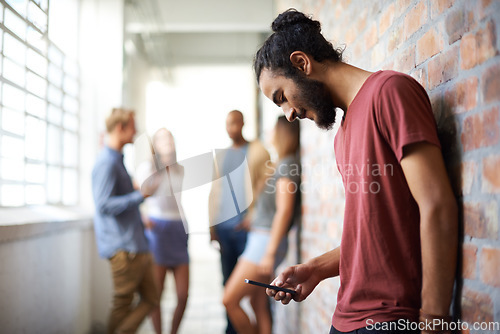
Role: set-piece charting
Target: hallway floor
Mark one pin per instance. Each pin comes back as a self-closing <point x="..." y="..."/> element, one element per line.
<point x="204" y="312"/>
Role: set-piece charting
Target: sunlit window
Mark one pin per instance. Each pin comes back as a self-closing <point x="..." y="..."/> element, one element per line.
<point x="39" y="105"/>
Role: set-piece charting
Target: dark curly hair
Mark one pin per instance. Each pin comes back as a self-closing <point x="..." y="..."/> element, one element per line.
<point x="293" y="31"/>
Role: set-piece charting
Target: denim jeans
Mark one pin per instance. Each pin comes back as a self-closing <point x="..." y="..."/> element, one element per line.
<point x="232" y="244"/>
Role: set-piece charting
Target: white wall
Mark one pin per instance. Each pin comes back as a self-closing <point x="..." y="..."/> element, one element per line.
<point x="47" y="276"/>
<point x="101" y="66"/>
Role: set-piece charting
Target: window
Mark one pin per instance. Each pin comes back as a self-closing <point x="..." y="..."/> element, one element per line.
<point x="39" y="109"/>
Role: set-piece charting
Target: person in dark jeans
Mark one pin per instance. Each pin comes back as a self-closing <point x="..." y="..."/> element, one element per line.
<point x="230" y="206"/>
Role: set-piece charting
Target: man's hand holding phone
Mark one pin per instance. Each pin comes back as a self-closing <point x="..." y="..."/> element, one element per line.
<point x="270" y="287"/>
<point x="299" y="278"/>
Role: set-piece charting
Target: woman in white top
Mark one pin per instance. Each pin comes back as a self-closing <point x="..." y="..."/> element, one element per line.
<point x="168" y="238"/>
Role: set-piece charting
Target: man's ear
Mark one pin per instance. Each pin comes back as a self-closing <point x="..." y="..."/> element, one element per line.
<point x="119" y="127"/>
<point x="301" y="61"/>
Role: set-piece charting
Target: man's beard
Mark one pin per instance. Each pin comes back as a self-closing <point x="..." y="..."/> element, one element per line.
<point x="314" y="95"/>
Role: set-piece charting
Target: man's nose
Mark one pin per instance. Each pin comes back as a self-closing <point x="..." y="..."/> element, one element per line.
<point x="290" y="114"/>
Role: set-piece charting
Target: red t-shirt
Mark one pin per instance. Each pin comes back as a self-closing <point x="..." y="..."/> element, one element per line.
<point x="380" y="260"/>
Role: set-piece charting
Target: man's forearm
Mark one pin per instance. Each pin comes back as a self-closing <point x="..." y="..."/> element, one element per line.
<point x="326" y="265"/>
<point x="439" y="238"/>
<point x="116" y="205"/>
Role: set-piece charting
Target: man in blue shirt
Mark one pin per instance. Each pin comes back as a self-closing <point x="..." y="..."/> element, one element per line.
<point x="119" y="229"/>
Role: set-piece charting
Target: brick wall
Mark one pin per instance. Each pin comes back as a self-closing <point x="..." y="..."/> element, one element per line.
<point x="452" y="48"/>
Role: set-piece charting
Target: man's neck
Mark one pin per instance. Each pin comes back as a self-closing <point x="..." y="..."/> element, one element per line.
<point x="115" y="143"/>
<point x="239" y="142"/>
<point x="344" y="82"/>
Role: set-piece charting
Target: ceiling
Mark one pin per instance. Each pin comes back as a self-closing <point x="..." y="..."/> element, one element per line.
<point x="172" y="32"/>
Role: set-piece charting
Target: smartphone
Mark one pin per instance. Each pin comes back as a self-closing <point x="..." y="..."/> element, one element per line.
<point x="274" y="287"/>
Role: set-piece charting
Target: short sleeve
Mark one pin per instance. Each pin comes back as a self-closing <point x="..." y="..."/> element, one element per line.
<point x="404" y="114"/>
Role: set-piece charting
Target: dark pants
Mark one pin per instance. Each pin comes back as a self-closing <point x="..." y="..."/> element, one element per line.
<point x="365" y="330"/>
<point x="232" y="243"/>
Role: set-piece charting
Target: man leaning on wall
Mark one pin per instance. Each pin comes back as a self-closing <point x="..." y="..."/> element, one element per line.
<point x="397" y="257"/>
<point x="119" y="229"/>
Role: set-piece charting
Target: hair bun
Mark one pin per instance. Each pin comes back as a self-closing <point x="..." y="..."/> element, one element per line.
<point x="292" y="17"/>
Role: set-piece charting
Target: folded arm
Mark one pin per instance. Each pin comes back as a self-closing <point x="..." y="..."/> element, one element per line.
<point x="104" y="183"/>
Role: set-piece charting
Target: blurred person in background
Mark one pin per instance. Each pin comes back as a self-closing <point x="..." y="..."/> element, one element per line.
<point x="165" y="231"/>
<point x="276" y="210"/>
<point x="119" y="229"/>
<point x="231" y="234"/>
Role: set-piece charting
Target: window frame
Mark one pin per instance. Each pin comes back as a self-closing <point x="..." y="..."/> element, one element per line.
<point x="66" y="85"/>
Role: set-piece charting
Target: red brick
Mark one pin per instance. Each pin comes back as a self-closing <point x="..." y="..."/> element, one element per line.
<point x="443" y="67"/>
<point x="491" y="84"/>
<point x="378" y="55"/>
<point x="386" y="19"/>
<point x="467" y="94"/>
<point x="395" y="38"/>
<point x="468" y="52"/>
<point x="421" y="76"/>
<point x="480" y="130"/>
<point x="346" y="3"/>
<point x="350" y="35"/>
<point x="457" y="24"/>
<point x="415" y="19"/>
<point x="428" y="45"/>
<point x="401" y="7"/>
<point x="439" y="6"/>
<point x="371" y="37"/>
<point x="375" y="9"/>
<point x="484" y="8"/>
<point x="317" y="7"/>
<point x="334" y="230"/>
<point x="462" y="177"/>
<point x="476" y="49"/>
<point x="469" y="256"/>
<point x="339" y="11"/>
<point x="467" y="176"/>
<point x="486" y="43"/>
<point x="491" y="174"/>
<point x="481" y="220"/>
<point x="436" y="98"/>
<point x="476" y="306"/>
<point x="490" y="266"/>
<point x="358" y="50"/>
<point x="405" y="60"/>
<point x="388" y="66"/>
<point x="471" y="20"/>
<point x="361" y="21"/>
